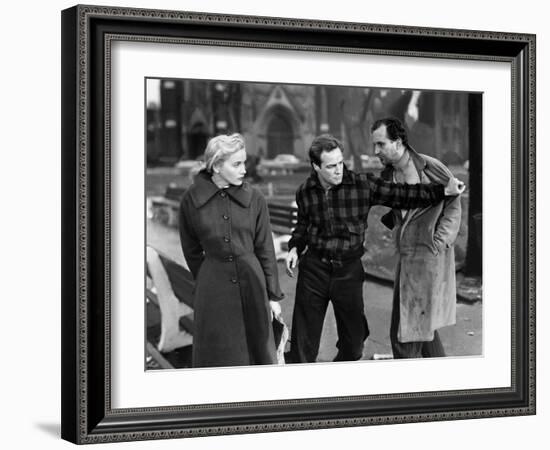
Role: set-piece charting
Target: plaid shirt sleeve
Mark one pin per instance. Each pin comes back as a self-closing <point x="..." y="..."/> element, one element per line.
<point x="299" y="233"/>
<point x="403" y="196"/>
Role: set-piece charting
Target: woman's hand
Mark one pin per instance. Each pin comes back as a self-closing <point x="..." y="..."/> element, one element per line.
<point x="275" y="308"/>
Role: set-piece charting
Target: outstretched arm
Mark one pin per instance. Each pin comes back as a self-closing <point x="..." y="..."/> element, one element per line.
<point x="408" y="196"/>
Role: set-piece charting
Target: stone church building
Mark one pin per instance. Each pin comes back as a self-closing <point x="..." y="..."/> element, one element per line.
<point x="283" y="118"/>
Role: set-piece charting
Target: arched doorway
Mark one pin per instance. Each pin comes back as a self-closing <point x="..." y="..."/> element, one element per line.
<point x="280" y="138"/>
<point x="197" y="139"/>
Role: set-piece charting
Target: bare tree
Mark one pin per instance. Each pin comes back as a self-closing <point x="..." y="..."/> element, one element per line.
<point x="355" y="124"/>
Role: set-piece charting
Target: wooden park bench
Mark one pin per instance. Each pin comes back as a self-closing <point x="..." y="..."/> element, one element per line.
<point x="165" y="208"/>
<point x="283" y="219"/>
<point x="170" y="295"/>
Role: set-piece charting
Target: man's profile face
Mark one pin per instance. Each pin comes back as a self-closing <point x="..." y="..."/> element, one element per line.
<point x="387" y="150"/>
<point x="331" y="170"/>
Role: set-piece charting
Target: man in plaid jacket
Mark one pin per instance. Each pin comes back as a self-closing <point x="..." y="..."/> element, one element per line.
<point x="333" y="205"/>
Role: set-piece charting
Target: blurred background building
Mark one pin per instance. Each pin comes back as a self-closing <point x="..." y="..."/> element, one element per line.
<point x="283" y="119"/>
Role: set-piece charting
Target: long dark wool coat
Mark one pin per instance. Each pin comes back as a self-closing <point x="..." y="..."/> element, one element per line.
<point x="227" y="243"/>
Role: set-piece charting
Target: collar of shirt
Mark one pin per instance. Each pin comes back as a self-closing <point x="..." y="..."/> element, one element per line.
<point x="203" y="189"/>
<point x="418" y="160"/>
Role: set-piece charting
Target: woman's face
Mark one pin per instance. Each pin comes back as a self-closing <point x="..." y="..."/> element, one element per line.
<point x="232" y="170"/>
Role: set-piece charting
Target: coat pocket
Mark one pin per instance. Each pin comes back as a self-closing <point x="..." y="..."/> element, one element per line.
<point x="441" y="245"/>
<point x="419" y="235"/>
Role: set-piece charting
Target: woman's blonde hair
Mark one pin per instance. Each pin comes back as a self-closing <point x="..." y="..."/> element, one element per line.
<point x="219" y="148"/>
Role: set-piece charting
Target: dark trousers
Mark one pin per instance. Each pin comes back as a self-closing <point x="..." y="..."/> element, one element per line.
<point x="321" y="281"/>
<point x="402" y="350"/>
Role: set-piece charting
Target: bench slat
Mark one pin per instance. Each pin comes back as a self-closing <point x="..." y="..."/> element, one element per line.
<point x="283" y="214"/>
<point x="157" y="356"/>
<point x="186" y="322"/>
<point x="280" y="230"/>
<point x="281" y="208"/>
<point x="174" y="193"/>
<point x="282" y="226"/>
<point x="283" y="218"/>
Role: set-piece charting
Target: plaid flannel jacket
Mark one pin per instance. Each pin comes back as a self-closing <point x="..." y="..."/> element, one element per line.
<point x="333" y="222"/>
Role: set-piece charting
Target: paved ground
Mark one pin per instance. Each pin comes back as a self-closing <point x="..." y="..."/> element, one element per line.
<point x="465" y="338"/>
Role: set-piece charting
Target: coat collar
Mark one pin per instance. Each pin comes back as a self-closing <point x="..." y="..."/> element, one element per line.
<point x="313" y="179"/>
<point x="203" y="189"/>
<point x="418" y="160"/>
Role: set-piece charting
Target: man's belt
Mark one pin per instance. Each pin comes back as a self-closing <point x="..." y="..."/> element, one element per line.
<point x="336" y="258"/>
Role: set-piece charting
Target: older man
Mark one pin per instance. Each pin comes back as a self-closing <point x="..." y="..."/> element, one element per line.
<point x="424" y="297"/>
<point x="333" y="205"/>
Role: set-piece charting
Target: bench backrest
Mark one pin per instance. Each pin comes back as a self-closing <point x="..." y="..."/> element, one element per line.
<point x="182" y="285"/>
<point x="174" y="193"/>
<point x="283" y="218"/>
<point x="180" y="278"/>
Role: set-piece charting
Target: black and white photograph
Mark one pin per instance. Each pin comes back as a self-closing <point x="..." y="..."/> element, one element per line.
<point x="307" y="223"/>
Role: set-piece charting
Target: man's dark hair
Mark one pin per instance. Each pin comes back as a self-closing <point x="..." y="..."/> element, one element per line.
<point x="394" y="129"/>
<point x="323" y="143"/>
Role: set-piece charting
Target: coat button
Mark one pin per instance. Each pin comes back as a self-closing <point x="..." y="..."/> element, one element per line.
<point x="226" y="239"/>
<point x="225" y="217"/>
<point x="230" y="258"/>
<point x="223" y="194"/>
<point x="234" y="280"/>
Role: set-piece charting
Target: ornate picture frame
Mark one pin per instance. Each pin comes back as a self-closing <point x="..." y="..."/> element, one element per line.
<point x="88" y="33"/>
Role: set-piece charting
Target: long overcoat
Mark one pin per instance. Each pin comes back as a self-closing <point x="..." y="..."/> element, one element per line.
<point x="425" y="271"/>
<point x="227" y="243"/>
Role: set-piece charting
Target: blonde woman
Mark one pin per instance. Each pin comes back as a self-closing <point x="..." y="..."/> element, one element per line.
<point x="226" y="240"/>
